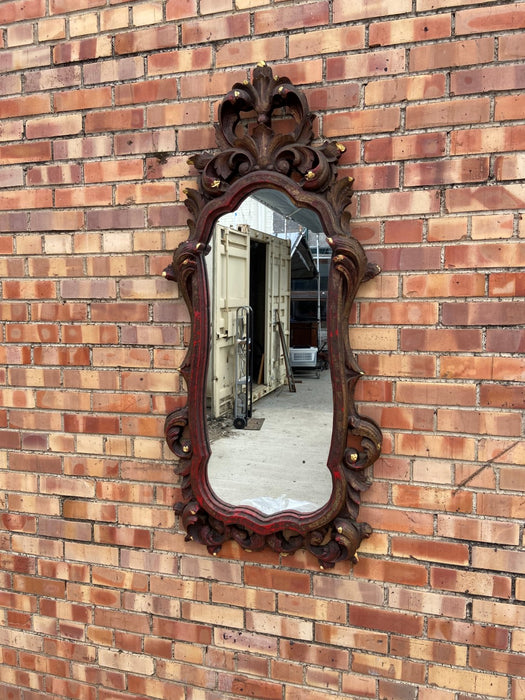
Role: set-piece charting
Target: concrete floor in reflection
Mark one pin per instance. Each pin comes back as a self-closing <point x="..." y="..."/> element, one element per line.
<point x="282" y="466"/>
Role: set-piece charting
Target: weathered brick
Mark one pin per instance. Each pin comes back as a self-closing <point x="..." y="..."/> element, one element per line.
<point x="375" y="63"/>
<point x="243" y="52"/>
<point x="323" y="41"/>
<point x="378" y="8"/>
<point x="89" y="546"/>
<point x="402" y="31"/>
<point x="400" y="89"/>
<point x="451" y="112"/>
<point x="500" y="18"/>
<point x="162" y="37"/>
<point x="452" y="54"/>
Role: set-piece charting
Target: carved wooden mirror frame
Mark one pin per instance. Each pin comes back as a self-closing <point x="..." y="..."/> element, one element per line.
<point x="286" y="161"/>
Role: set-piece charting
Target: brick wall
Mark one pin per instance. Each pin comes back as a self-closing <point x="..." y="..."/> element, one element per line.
<point x="100" y="597"/>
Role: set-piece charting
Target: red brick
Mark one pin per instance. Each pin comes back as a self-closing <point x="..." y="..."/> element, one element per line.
<point x="144" y="142"/>
<point x="450" y="654"/>
<point x="269" y="578"/>
<point x="491" y="313"/>
<point x="24" y="59"/>
<point x="398" y="365"/>
<point x="162" y="37"/>
<point x="487" y="140"/>
<point x="102" y="171"/>
<point x="82" y="50"/>
<point x="53" y="78"/>
<point x="498" y="19"/>
<point x="114" y="120"/>
<point x="450" y="171"/>
<point x="178" y="9"/>
<point x="181" y="61"/>
<point x="373" y="63"/>
<point x="456" y="53"/>
<point x="431" y="498"/>
<point x="502" y="396"/>
<point x="451" y="112"/>
<point x="396" y="520"/>
<point x="54" y="175"/>
<point x="323" y="41"/>
<point x="467" y="82"/>
<point x="109" y="71"/>
<point x="474" y="583"/>
<point x="81" y="99"/>
<point x="485" y="198"/>
<point x="402" y="31"/>
<point x="487" y="255"/>
<point x="288" y="18"/>
<point x="343" y="12"/>
<point x="25" y="105"/>
<point x="385" y="620"/>
<point x="406" y="258"/>
<point x="400" y="89"/>
<point x="495" y="661"/>
<point x="398" y="313"/>
<point x="424" y="550"/>
<point x="509" y="107"/>
<point x="405" y="231"/>
<point x="440" y="340"/>
<point x="494" y="225"/>
<point x="25" y="152"/>
<point x="12" y="12"/>
<point x="226" y="27"/>
<point x="478" y="422"/>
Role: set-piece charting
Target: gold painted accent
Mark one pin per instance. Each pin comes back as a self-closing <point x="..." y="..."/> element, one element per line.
<point x="350" y="179"/>
<point x="340" y="530"/>
<point x="214" y="554"/>
<point x="356" y="558"/>
<point x="321" y="567"/>
<point x="340" y="147"/>
<point x="353" y="457"/>
<point x="190" y="161"/>
<point x="236" y="93"/>
<point x="281" y="89"/>
<point x="378" y="445"/>
<point x="261" y="64"/>
<point x="186" y="191"/>
<point x="215" y="184"/>
<point x="199" y="246"/>
<point x="164" y="273"/>
<point x="310" y="175"/>
<point x="186" y="449"/>
<point x="330" y="241"/>
<point x="276" y="78"/>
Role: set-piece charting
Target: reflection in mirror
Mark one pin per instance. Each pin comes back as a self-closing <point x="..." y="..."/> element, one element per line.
<point x="267" y="374"/>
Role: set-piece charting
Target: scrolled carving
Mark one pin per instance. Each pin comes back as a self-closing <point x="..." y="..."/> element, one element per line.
<point x="265" y="157"/>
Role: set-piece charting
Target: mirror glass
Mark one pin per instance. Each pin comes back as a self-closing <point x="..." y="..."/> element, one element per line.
<point x="269" y="393"/>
